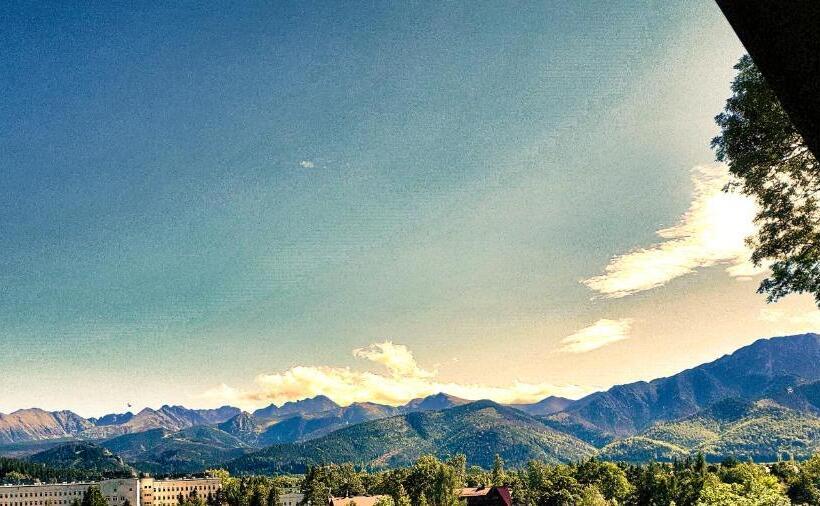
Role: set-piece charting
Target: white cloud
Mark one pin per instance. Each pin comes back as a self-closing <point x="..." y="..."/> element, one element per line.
<point x="802" y="322"/>
<point x="307" y="164"/>
<point x="712" y="231"/>
<point x="601" y="333"/>
<point x="397" y="358"/>
<point x="222" y="391"/>
<point x="404" y="380"/>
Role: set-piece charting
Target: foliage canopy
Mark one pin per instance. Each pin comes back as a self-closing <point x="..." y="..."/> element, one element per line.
<point x="771" y="163"/>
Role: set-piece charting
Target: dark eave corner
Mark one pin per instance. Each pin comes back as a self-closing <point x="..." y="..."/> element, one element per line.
<point x="783" y="39"/>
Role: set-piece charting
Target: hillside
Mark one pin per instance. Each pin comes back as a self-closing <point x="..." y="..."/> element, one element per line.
<point x="25" y="448"/>
<point x="186" y="451"/>
<point x="762" y="431"/>
<point x="83" y="456"/>
<point x="132" y="446"/>
<point x="637" y="449"/>
<point x="37" y="424"/>
<point x="244" y="427"/>
<point x="768" y="368"/>
<point x="479" y="430"/>
<point x="767" y="433"/>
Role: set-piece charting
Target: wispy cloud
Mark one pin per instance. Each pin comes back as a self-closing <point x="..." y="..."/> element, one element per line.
<point x="600" y="334"/>
<point x="307" y="164"/>
<point x="801" y="322"/>
<point x="402" y="380"/>
<point x="712" y="231"/>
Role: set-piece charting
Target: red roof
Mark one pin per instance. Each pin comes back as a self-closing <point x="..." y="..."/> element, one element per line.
<point x="359" y="500"/>
<point x="474" y="492"/>
<point x="504" y="492"/>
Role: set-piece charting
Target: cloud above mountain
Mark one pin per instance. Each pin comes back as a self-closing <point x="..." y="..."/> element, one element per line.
<point x="792" y="322"/>
<point x="397" y="358"/>
<point x="711" y="232"/>
<point x="401" y="380"/>
<point x="600" y="334"/>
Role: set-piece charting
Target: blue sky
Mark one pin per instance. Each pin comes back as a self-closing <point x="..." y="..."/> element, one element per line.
<point x="203" y="204"/>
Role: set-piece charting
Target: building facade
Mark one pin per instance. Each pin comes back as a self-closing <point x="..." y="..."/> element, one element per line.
<point x="117" y="492"/>
<point x="291" y="497"/>
<point x="121" y="491"/>
<point x="166" y="492"/>
<point x="60" y="494"/>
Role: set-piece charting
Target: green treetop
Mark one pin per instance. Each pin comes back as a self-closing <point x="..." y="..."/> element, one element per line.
<point x="771" y="163"/>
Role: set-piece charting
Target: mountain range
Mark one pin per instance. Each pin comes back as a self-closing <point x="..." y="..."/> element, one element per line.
<point x="761" y="402"/>
<point x="306" y="418"/>
<point x="37" y="425"/>
<point x="479" y="430"/>
<point x="785" y="369"/>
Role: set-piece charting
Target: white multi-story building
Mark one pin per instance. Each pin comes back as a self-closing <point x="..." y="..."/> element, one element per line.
<point x="117" y="492"/>
<point x="166" y="492"/>
<point x="291" y="497"/>
<point x="58" y="494"/>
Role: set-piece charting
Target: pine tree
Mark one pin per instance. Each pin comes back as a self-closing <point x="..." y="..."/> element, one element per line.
<point x="402" y="498"/>
<point x="498" y="477"/>
<point x="93" y="497"/>
<point x="256" y="498"/>
<point x="273" y="495"/>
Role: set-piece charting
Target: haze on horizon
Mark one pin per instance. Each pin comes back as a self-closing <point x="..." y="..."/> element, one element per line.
<point x="207" y="206"/>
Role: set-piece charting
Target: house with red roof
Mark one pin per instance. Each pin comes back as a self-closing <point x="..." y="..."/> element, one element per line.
<point x="486" y="496"/>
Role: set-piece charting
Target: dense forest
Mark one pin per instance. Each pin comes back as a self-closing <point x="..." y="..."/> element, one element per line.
<point x="433" y="482"/>
<point x="14" y="471"/>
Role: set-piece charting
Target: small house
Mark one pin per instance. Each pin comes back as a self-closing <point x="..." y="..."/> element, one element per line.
<point x="486" y="496"/>
<point x="358" y="500"/>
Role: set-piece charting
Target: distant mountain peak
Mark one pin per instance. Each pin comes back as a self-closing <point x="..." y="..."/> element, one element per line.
<point x="311" y="405"/>
<point x="546" y="406"/>
<point x="316" y="399"/>
<point x="28" y="410"/>
<point x="112" y="419"/>
<point x="37" y="424"/>
<point x="434" y="402"/>
<point x="483" y="403"/>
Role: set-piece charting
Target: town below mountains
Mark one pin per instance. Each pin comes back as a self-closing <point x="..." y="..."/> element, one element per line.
<point x="762" y="402"/>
